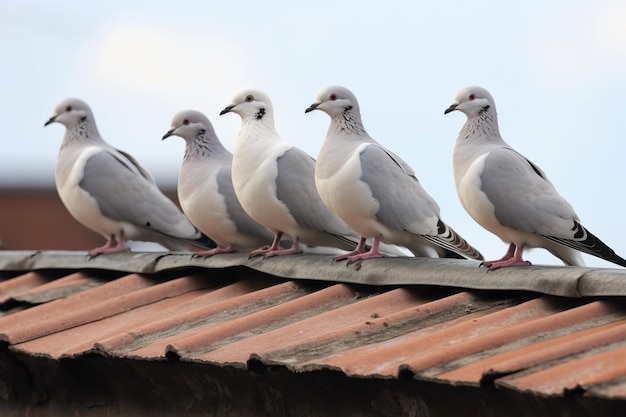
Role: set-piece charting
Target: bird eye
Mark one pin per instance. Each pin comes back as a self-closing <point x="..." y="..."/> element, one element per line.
<point x="472" y="96"/>
<point x="333" y="96"/>
<point x="186" y="121"/>
<point x="68" y="108"/>
<point x="249" y="97"/>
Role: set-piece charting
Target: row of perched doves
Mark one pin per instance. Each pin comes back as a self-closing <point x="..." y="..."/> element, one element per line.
<point x="357" y="197"/>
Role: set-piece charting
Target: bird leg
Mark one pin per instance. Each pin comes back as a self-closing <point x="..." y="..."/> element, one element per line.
<point x="295" y="248"/>
<point x="111" y="246"/>
<point x="110" y="243"/>
<point x="513" y="257"/>
<point x="372" y="253"/>
<point x="220" y="249"/>
<point x="508" y="255"/>
<point x="264" y="250"/>
<point x="357" y="251"/>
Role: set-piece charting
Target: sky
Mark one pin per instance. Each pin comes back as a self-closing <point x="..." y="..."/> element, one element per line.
<point x="557" y="72"/>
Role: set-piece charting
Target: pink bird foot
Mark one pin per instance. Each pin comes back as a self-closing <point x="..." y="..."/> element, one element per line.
<point x="262" y="251"/>
<point x="366" y="255"/>
<point x="360" y="255"/>
<point x="204" y="253"/>
<point x="111" y="246"/>
<point x="513" y="257"/>
<point x="295" y="248"/>
<point x="275" y="250"/>
<point x="360" y="249"/>
<point x="510" y="262"/>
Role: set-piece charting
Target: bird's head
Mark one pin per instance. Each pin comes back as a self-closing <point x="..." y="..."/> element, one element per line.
<point x="335" y="100"/>
<point x="250" y="103"/>
<point x="472" y="101"/>
<point x="69" y="112"/>
<point x="188" y="124"/>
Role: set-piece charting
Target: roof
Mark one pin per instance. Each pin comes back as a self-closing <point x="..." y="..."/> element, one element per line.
<point x="547" y="331"/>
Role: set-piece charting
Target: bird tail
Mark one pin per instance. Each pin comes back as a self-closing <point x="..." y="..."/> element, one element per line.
<point x="451" y="241"/>
<point x="176" y="243"/>
<point x="203" y="242"/>
<point x="586" y="242"/>
<point x="343" y="242"/>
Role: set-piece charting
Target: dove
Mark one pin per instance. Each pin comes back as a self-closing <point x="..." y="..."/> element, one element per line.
<point x="275" y="182"/>
<point x="374" y="191"/>
<point x="509" y="195"/>
<point x="205" y="188"/>
<point x="107" y="191"/>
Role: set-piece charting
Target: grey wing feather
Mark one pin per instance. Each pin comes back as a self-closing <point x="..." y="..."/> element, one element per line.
<point x="245" y="224"/>
<point x="124" y="195"/>
<point x="295" y="186"/>
<point x="523" y="197"/>
<point x="141" y="169"/>
<point x="403" y="203"/>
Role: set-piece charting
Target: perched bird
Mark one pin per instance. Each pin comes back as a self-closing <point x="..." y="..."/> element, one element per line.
<point x="509" y="195"/>
<point x="275" y="182"/>
<point x="374" y="191"/>
<point x="205" y="188"/>
<point x="110" y="193"/>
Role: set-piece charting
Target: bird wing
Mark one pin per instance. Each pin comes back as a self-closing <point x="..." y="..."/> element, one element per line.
<point x="295" y="187"/>
<point x="523" y="197"/>
<point x="123" y="194"/>
<point x="144" y="173"/>
<point x="403" y="202"/>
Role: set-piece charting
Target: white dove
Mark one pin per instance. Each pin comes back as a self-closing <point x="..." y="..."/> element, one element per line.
<point x="374" y="191"/>
<point x="205" y="188"/>
<point x="275" y="182"/>
<point x="108" y="192"/>
<point x="509" y="195"/>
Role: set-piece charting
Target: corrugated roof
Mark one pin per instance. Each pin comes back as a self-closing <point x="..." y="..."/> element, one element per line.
<point x="543" y="330"/>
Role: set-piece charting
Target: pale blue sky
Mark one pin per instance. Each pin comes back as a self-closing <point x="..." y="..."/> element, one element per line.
<point x="557" y="71"/>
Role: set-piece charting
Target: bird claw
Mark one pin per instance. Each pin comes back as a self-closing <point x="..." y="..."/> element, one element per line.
<point x="214" y="251"/>
<point x="281" y="252"/>
<point x="99" y="251"/>
<point x="510" y="262"/>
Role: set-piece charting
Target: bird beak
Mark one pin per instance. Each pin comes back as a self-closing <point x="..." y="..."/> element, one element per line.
<point x="227" y="109"/>
<point x="168" y="134"/>
<point x="451" y="108"/>
<point x="312" y="107"/>
<point x="51" y="120"/>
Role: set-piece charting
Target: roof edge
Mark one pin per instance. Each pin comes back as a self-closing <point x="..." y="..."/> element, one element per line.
<point x="563" y="281"/>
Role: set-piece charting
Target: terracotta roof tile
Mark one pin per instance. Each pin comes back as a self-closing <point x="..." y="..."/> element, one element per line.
<point x="537" y="351"/>
<point x="525" y="331"/>
<point x="15" y="287"/>
<point x="311" y="331"/>
<point x="230" y="311"/>
<point x="590" y="369"/>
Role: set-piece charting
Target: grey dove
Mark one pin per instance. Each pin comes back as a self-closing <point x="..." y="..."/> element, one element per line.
<point x="107" y="191"/>
<point x="374" y="191"/>
<point x="275" y="183"/>
<point x="205" y="188"/>
<point x="509" y="195"/>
